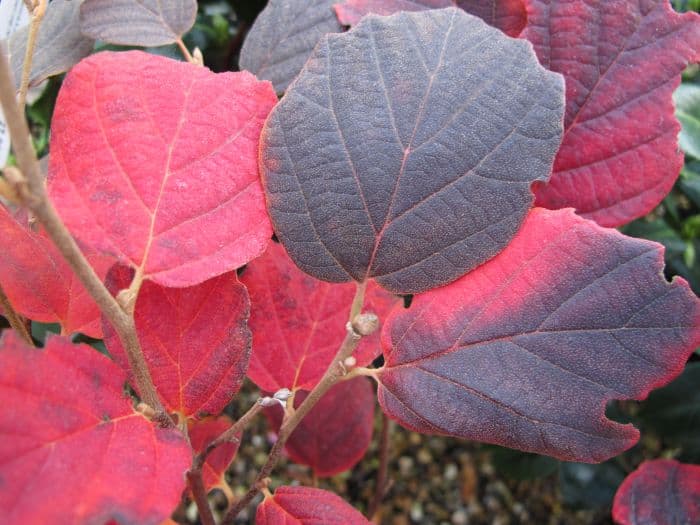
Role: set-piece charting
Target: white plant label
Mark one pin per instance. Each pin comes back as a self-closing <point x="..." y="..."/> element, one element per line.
<point x="13" y="15"/>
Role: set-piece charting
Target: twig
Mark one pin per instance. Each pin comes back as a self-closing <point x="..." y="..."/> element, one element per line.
<point x="380" y="488"/>
<point x="38" y="202"/>
<point x="16" y="322"/>
<point x="185" y="52"/>
<point x="194" y="476"/>
<point x="363" y="325"/>
<point x="37" y="13"/>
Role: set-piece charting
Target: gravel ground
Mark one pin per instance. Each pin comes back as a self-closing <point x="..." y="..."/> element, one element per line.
<point x="434" y="481"/>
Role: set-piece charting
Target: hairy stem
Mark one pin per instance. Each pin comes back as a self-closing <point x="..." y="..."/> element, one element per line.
<point x="380" y="488"/>
<point x="335" y="372"/>
<point x="36" y="199"/>
<point x="37" y="16"/>
<point x="16" y="322"/>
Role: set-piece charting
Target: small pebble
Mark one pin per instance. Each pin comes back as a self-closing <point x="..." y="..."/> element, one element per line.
<point x="405" y="465"/>
<point x="460" y="517"/>
<point x="417" y="512"/>
<point x="451" y="472"/>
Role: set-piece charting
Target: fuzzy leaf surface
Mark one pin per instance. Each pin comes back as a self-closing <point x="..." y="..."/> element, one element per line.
<point x="306" y="506"/>
<point x="195" y="340"/>
<point x="59" y="45"/>
<point x="72" y="450"/>
<point x="336" y="433"/>
<point x="619" y="157"/>
<point x="41" y="285"/>
<point x="659" y="492"/>
<point x="298" y="322"/>
<point x="283" y="36"/>
<point x="201" y="434"/>
<point x="155" y="161"/>
<point x="507" y="15"/>
<point x="137" y="22"/>
<point x="427" y="173"/>
<point x="526" y="351"/>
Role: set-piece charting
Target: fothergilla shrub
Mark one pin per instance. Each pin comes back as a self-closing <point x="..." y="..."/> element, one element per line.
<point x="442" y="179"/>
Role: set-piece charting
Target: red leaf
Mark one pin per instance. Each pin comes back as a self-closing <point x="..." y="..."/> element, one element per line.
<point x="298" y="322"/>
<point x="306" y="506"/>
<point x="72" y="450"/>
<point x="155" y="161"/>
<point x="507" y="15"/>
<point x="196" y="340"/>
<point x="659" y="492"/>
<point x="526" y="350"/>
<point x="622" y="61"/>
<point x="201" y="434"/>
<point x="336" y="433"/>
<point x="40" y="284"/>
<point x="423" y="177"/>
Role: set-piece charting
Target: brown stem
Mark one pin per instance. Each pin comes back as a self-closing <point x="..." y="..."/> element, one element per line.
<point x="16" y="322"/>
<point x="380" y="488"/>
<point x="194" y="476"/>
<point x="199" y="493"/>
<point x="38" y="202"/>
<point x="335" y="371"/>
<point x="228" y="436"/>
<point x="37" y="16"/>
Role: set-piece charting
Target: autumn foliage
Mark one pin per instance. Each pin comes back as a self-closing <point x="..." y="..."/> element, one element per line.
<point x="405" y="155"/>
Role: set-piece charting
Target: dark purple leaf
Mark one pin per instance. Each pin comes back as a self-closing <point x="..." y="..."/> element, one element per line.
<point x="405" y="150"/>
<point x="283" y="36"/>
<point x="527" y="350"/>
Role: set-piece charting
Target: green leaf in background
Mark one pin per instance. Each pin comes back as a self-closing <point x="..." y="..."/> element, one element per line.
<point x="673" y="412"/>
<point x="689" y="181"/>
<point x="522" y="465"/>
<point x="687" y="99"/>
<point x="585" y="486"/>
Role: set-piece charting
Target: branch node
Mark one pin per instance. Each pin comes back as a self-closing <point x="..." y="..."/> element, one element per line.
<point x="364" y="324"/>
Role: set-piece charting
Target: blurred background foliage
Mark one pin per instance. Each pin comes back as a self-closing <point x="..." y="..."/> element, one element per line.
<point x="528" y="487"/>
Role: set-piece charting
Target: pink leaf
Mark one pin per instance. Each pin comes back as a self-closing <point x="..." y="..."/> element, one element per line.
<point x="622" y="61"/>
<point x="306" y="506"/>
<point x="72" y="450"/>
<point x="155" y="161"/>
<point x="660" y="492"/>
<point x="39" y="283"/>
<point x="196" y="340"/>
<point x="336" y="433"/>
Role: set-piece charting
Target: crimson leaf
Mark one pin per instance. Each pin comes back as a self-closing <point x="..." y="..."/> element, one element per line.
<point x="507" y="15"/>
<point x="526" y="350"/>
<point x="620" y="155"/>
<point x="336" y="433"/>
<point x="41" y="285"/>
<point x="283" y="36"/>
<point x="150" y="157"/>
<point x="306" y="506"/>
<point x="427" y="174"/>
<point x="298" y="322"/>
<point x="660" y="492"/>
<point x="72" y="450"/>
<point x="195" y="340"/>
